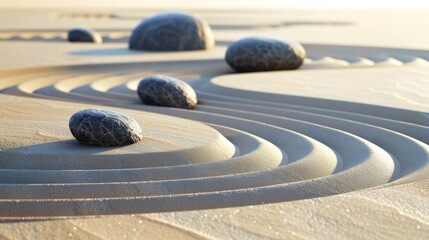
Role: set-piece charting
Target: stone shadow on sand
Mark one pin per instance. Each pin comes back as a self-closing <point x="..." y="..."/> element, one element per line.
<point x="52" y="155"/>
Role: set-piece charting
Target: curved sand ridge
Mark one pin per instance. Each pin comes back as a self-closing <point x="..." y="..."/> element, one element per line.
<point x="255" y="147"/>
<point x="319" y="56"/>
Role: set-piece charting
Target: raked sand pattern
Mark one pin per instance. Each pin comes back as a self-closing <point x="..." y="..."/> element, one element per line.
<point x="272" y="138"/>
<point x="277" y="151"/>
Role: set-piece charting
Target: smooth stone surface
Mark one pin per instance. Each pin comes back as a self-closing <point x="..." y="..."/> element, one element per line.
<point x="84" y="35"/>
<point x="166" y="91"/>
<point x="104" y="128"/>
<point x="255" y="54"/>
<point x="172" y="31"/>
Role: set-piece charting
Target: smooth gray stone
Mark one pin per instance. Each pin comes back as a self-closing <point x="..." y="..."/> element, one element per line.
<point x="255" y="54"/>
<point x="166" y="91"/>
<point x="104" y="128"/>
<point x="84" y="35"/>
<point x="172" y="31"/>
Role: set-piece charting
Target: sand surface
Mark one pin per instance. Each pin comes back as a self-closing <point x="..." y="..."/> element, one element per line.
<point x="337" y="149"/>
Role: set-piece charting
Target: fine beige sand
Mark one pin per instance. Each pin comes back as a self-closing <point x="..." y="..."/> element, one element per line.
<point x="336" y="149"/>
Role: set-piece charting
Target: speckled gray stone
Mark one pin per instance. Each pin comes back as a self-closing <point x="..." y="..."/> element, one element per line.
<point x="172" y="31"/>
<point x="255" y="54"/>
<point x="166" y="91"/>
<point x="104" y="128"/>
<point x="84" y="35"/>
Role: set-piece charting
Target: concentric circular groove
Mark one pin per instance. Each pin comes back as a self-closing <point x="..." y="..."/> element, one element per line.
<point x="258" y="147"/>
<point x="400" y="146"/>
<point x="251" y="150"/>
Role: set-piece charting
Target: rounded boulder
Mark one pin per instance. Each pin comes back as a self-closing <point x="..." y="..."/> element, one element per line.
<point x="256" y="54"/>
<point x="172" y="31"/>
<point x="166" y="91"/>
<point x="104" y="128"/>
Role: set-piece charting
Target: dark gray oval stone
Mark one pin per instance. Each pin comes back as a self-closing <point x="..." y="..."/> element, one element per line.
<point x="84" y="35"/>
<point x="166" y="91"/>
<point x="255" y="54"/>
<point x="104" y="128"/>
<point x="172" y="31"/>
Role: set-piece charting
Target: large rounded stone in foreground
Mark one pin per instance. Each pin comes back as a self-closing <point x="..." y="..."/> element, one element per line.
<point x="172" y="31"/>
<point x="166" y="91"/>
<point x="84" y="35"/>
<point x="255" y="54"/>
<point x="104" y="128"/>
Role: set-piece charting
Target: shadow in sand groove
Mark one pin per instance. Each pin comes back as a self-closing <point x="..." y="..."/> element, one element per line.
<point x="330" y="142"/>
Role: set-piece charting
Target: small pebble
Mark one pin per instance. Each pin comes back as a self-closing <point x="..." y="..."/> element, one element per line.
<point x="84" y="35"/>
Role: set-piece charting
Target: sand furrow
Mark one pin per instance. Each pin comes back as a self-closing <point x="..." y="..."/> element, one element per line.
<point x="238" y="147"/>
